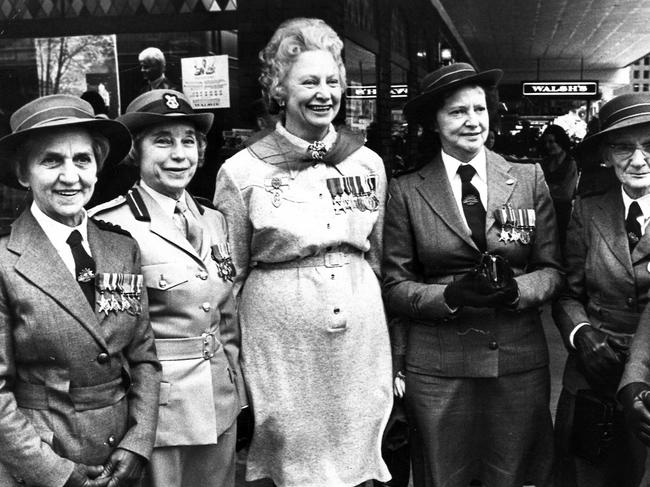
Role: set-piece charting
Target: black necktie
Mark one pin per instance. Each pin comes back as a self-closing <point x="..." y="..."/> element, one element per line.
<point x="84" y="267"/>
<point x="472" y="206"/>
<point x="632" y="226"/>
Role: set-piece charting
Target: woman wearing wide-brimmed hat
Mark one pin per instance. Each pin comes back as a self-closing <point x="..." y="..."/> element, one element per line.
<point x="470" y="253"/>
<point x="78" y="382"/>
<point x="608" y="262"/>
<point x="188" y="275"/>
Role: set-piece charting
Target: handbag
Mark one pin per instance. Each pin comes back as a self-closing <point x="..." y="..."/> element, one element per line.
<point x="595" y="422"/>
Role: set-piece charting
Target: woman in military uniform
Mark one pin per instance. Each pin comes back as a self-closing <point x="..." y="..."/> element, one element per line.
<point x="608" y="279"/>
<point x="78" y="384"/>
<point x="476" y="365"/>
<point x="305" y="206"/>
<point x="188" y="275"/>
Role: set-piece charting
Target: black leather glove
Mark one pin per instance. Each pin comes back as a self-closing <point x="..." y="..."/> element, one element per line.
<point x="86" y="476"/>
<point x="469" y="290"/>
<point x="635" y="399"/>
<point x="123" y="468"/>
<point x="601" y="363"/>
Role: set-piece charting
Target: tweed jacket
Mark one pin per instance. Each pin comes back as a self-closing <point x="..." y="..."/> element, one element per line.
<point x="75" y="383"/>
<point x="201" y="395"/>
<point x="606" y="285"/>
<point x="427" y="246"/>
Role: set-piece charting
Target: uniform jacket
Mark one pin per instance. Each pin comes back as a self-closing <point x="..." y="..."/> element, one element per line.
<point x="427" y="246"/>
<point x="188" y="300"/>
<point x="65" y="369"/>
<point x="606" y="286"/>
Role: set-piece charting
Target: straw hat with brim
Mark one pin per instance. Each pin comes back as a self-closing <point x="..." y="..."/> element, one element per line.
<point x="620" y="112"/>
<point x="162" y="106"/>
<point x="52" y="112"/>
<point x="441" y="80"/>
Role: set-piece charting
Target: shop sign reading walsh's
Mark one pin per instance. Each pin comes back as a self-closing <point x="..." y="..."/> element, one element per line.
<point x="568" y="89"/>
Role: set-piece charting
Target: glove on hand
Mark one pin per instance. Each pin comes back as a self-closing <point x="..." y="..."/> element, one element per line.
<point x="123" y="468"/>
<point x="601" y="363"/>
<point x="635" y="399"/>
<point x="469" y="290"/>
<point x="86" y="476"/>
<point x="498" y="278"/>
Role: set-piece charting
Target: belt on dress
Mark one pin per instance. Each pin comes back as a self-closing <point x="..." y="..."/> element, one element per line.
<point x="204" y="346"/>
<point x="337" y="257"/>
<point x="37" y="396"/>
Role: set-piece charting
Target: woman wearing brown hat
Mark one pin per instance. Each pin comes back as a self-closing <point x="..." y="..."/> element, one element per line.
<point x="608" y="279"/>
<point x="78" y="382"/>
<point x="305" y="205"/>
<point x="188" y="275"/>
<point x="470" y="253"/>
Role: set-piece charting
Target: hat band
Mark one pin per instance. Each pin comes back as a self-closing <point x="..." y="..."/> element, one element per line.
<point x="620" y="115"/>
<point x="51" y="114"/>
<point x="443" y="79"/>
<point x="162" y="108"/>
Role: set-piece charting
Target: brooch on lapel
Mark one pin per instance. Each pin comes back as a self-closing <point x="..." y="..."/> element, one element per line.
<point x="223" y="260"/>
<point x="517" y="224"/>
<point x="317" y="150"/>
<point x="274" y="186"/>
<point x="119" y="292"/>
<point x="353" y="193"/>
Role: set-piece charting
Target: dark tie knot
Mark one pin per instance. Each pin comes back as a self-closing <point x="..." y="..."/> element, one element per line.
<point x="635" y="211"/>
<point x="74" y="238"/>
<point x="466" y="172"/>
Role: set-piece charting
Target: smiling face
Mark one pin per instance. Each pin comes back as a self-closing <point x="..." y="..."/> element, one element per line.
<point x="61" y="169"/>
<point x="463" y="123"/>
<point x="312" y="91"/>
<point x="169" y="154"/>
<point x="633" y="171"/>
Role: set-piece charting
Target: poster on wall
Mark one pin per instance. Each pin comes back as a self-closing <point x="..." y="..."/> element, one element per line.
<point x="206" y="82"/>
<point x="76" y="64"/>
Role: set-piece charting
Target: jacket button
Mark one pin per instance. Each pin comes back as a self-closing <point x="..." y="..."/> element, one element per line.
<point x="630" y="302"/>
<point x="493" y="345"/>
<point x="206" y="307"/>
<point x="162" y="284"/>
<point x="202" y="275"/>
<point x="102" y="358"/>
<point x="111" y="441"/>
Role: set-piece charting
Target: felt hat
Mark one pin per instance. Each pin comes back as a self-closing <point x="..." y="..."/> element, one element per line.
<point x="160" y="106"/>
<point x="444" y="78"/>
<point x="620" y="112"/>
<point x="54" y="111"/>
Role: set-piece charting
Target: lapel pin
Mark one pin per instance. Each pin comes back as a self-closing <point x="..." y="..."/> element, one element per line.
<point x="510" y="181"/>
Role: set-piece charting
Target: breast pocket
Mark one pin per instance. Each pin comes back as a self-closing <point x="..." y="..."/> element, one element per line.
<point x="163" y="281"/>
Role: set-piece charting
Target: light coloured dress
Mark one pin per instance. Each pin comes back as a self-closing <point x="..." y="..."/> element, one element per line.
<point x="315" y="347"/>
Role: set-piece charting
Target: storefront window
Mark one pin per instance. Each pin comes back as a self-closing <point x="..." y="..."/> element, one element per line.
<point x="361" y="100"/>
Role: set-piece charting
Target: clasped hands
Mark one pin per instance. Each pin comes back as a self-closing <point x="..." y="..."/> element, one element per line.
<point x="123" y="468"/>
<point x="490" y="285"/>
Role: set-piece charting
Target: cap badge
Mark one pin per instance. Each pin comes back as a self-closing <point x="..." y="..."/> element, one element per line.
<point x="171" y="101"/>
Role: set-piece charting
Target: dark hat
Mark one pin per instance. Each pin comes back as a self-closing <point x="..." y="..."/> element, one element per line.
<point x="442" y="79"/>
<point x="52" y="111"/>
<point x="157" y="106"/>
<point x="620" y="112"/>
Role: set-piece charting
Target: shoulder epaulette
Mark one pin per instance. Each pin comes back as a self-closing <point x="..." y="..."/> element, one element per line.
<point x="136" y="203"/>
<point x="108" y="205"/>
<point x="104" y="225"/>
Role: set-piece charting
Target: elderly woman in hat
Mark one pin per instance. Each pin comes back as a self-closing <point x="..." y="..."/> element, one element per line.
<point x="188" y="274"/>
<point x="470" y="253"/>
<point x="305" y="208"/>
<point x="608" y="259"/>
<point x="78" y="382"/>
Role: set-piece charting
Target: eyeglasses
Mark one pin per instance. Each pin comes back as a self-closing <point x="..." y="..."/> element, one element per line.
<point x="625" y="151"/>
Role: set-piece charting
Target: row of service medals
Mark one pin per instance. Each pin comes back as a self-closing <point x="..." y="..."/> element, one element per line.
<point x="517" y="224"/>
<point x="353" y="193"/>
<point x="119" y="292"/>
